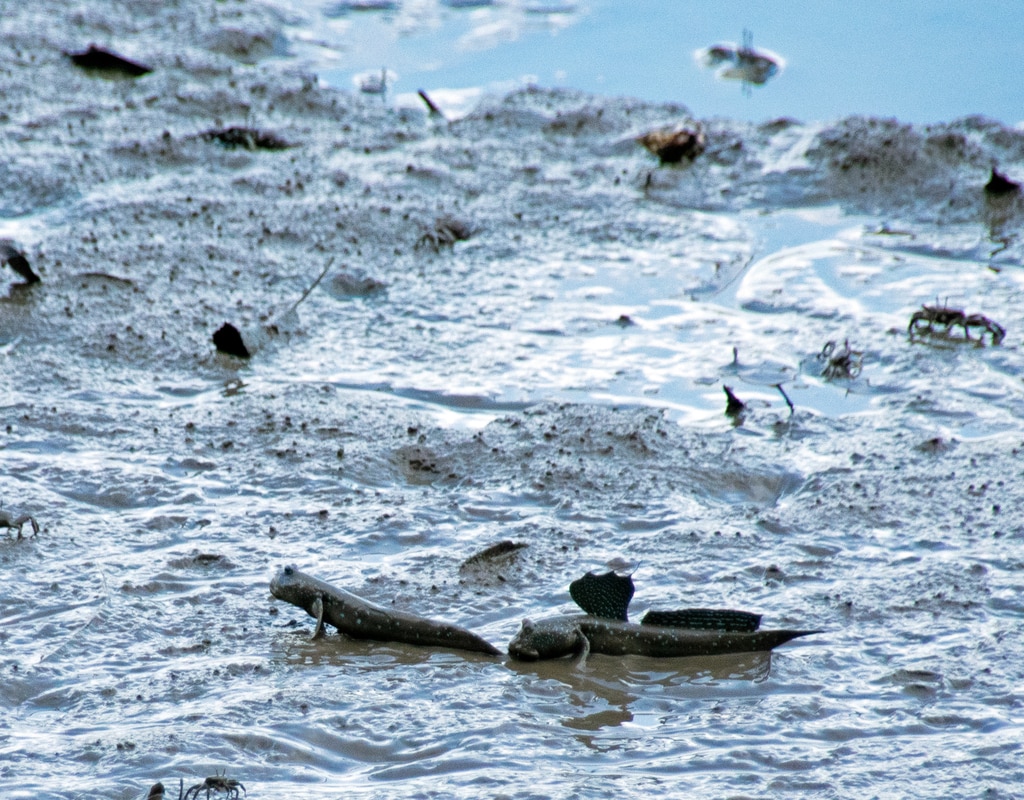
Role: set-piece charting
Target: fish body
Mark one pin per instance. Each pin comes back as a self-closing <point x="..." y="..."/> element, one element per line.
<point x="361" y="619"/>
<point x="582" y="633"/>
<point x="605" y="627"/>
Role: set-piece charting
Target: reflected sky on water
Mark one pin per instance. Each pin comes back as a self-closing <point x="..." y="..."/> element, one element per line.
<point x="918" y="61"/>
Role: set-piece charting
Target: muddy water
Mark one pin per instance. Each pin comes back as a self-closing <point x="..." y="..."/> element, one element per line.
<point x="554" y="379"/>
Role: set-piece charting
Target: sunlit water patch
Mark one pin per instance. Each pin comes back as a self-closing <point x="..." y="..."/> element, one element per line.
<point x="669" y="324"/>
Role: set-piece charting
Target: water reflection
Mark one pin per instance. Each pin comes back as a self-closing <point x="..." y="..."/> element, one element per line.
<point x="337" y="650"/>
<point x="613" y="692"/>
<point x="350" y="40"/>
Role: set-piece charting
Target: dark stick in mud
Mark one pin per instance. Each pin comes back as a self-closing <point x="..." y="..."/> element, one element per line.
<point x="309" y="291"/>
<point x="434" y="110"/>
<point x="785" y="397"/>
<point x="15" y="259"/>
<point x="733" y="405"/>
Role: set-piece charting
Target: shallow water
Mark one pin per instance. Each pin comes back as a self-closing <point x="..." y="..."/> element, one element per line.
<point x="917" y="61"/>
<point x="554" y="379"/>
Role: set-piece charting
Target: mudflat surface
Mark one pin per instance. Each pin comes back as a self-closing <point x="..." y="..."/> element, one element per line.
<point x="523" y="333"/>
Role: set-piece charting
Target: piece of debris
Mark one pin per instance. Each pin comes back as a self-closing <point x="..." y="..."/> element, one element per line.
<point x="840" y="363"/>
<point x="156" y="792"/>
<point x="434" y="110"/>
<point x="923" y="322"/>
<point x="733" y="405"/>
<point x="625" y="321"/>
<point x="197" y="559"/>
<point x="246" y="138"/>
<point x="374" y="82"/>
<point x="504" y="548"/>
<point x="741" y="62"/>
<point x="672" y="145"/>
<point x="227" y="339"/>
<point x="15" y="259"/>
<point x="936" y="445"/>
<point x="100" y="60"/>
<point x="999" y="185"/>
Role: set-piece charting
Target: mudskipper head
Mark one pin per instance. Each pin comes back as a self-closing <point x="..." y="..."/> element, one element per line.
<point x="549" y="638"/>
<point x="285" y="584"/>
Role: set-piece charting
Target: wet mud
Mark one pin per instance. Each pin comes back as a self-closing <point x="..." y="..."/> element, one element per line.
<point x="462" y="377"/>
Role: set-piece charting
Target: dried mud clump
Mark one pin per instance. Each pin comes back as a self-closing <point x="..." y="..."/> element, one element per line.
<point x="924" y="171"/>
<point x="247" y="46"/>
<point x="246" y="138"/>
<point x="354" y="284"/>
<point x="421" y="466"/>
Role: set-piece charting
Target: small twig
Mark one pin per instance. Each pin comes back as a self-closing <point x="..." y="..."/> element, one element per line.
<point x="785" y="397"/>
<point x="308" y="291"/>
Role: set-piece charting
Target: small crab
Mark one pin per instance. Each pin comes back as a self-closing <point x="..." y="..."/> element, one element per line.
<point x="216" y="783"/>
<point x="9" y="521"/>
<point x="445" y="232"/>
<point x="672" y="145"/>
<point x="840" y="363"/>
<point x="930" y="316"/>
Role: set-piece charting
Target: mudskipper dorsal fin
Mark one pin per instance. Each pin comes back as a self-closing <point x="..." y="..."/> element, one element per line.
<point x="605" y="595"/>
<point x="707" y="619"/>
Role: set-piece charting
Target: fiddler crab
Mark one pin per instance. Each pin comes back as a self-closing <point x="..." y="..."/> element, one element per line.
<point x="445" y="232"/>
<point x="840" y="362"/>
<point x="9" y="521"/>
<point x="216" y="783"/>
<point x="925" y="320"/>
